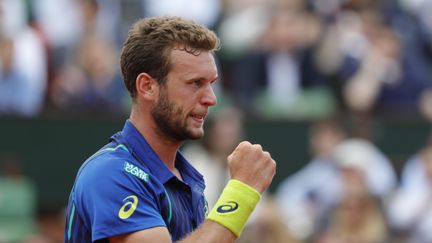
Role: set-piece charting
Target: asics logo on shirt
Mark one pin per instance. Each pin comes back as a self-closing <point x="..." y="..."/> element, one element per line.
<point x="129" y="207"/>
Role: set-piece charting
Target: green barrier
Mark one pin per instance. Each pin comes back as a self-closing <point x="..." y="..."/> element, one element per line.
<point x="51" y="150"/>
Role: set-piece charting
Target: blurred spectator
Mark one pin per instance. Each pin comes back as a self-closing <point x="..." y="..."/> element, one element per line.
<point x="92" y="82"/>
<point x="244" y="21"/>
<point x="358" y="217"/>
<point x="100" y="17"/>
<point x="410" y="210"/>
<point x="60" y="23"/>
<point x="419" y="33"/>
<point x="380" y="69"/>
<point x="425" y="104"/>
<point x="419" y="10"/>
<point x="23" y="70"/>
<point x="380" y="64"/>
<point x="66" y="22"/>
<point x="17" y="201"/>
<point x="13" y="16"/>
<point x="277" y="77"/>
<point x="306" y="195"/>
<point x="206" y="12"/>
<point x="89" y="79"/>
<point x="241" y="25"/>
<point x="266" y="225"/>
<point x="379" y="172"/>
<point x="223" y="133"/>
<point x="309" y="194"/>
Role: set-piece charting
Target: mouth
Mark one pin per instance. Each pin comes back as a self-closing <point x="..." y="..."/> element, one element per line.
<point x="199" y="118"/>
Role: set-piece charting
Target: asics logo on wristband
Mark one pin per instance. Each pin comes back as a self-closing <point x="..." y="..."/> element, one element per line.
<point x="227" y="207"/>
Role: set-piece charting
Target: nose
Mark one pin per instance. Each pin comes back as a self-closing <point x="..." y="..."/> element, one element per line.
<point x="209" y="97"/>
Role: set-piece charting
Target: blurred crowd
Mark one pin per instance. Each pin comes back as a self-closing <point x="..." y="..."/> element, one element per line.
<point x="294" y="59"/>
<point x="349" y="192"/>
<point x="284" y="59"/>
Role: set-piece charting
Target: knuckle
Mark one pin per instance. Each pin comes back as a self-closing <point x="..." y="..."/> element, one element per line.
<point x="245" y="143"/>
<point x="267" y="155"/>
<point x="274" y="164"/>
<point x="257" y="147"/>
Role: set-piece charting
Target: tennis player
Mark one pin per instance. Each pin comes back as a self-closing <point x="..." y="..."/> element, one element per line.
<point x="139" y="187"/>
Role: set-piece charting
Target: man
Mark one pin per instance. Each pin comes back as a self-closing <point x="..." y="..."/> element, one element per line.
<point x="139" y="188"/>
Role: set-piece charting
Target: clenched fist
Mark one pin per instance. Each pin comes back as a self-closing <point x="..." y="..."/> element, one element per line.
<point x="250" y="164"/>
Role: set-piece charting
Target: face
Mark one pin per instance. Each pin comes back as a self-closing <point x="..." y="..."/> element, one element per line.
<point x="184" y="100"/>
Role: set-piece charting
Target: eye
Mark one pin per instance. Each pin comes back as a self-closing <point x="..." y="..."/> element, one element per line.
<point x="197" y="83"/>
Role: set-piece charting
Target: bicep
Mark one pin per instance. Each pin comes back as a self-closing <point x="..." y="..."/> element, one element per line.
<point x="156" y="234"/>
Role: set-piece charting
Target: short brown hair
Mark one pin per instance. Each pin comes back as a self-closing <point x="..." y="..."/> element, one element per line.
<point x="150" y="42"/>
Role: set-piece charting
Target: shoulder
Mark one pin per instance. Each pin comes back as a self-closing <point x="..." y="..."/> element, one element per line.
<point x="111" y="170"/>
<point x="109" y="187"/>
<point x="107" y="161"/>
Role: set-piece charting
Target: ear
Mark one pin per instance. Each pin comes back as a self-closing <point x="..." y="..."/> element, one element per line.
<point x="146" y="86"/>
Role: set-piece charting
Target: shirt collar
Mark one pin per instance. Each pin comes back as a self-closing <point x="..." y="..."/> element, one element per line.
<point x="146" y="155"/>
<point x="189" y="173"/>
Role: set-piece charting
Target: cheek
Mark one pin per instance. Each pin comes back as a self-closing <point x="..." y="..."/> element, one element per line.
<point x="179" y="113"/>
<point x="183" y="103"/>
<point x="184" y="107"/>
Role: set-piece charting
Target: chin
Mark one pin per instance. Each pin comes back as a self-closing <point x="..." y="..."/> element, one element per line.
<point x="194" y="135"/>
<point x="197" y="136"/>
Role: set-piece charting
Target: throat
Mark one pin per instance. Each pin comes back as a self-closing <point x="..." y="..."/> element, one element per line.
<point x="177" y="173"/>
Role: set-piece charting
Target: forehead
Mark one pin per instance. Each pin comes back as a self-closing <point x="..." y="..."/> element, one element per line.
<point x="190" y="66"/>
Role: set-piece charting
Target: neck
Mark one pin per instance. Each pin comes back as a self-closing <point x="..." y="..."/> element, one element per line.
<point x="165" y="148"/>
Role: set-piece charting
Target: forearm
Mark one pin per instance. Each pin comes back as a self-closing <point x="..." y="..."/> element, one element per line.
<point x="230" y="214"/>
<point x="224" y="223"/>
<point x="210" y="232"/>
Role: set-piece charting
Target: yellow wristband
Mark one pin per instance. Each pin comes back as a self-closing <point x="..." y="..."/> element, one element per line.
<point x="235" y="205"/>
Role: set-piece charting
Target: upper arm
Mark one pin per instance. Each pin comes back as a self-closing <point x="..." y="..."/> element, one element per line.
<point x="156" y="234"/>
<point x="115" y="202"/>
<point x="208" y="232"/>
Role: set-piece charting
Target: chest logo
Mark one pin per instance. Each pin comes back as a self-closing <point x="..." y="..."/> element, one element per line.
<point x="135" y="171"/>
<point x="131" y="203"/>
